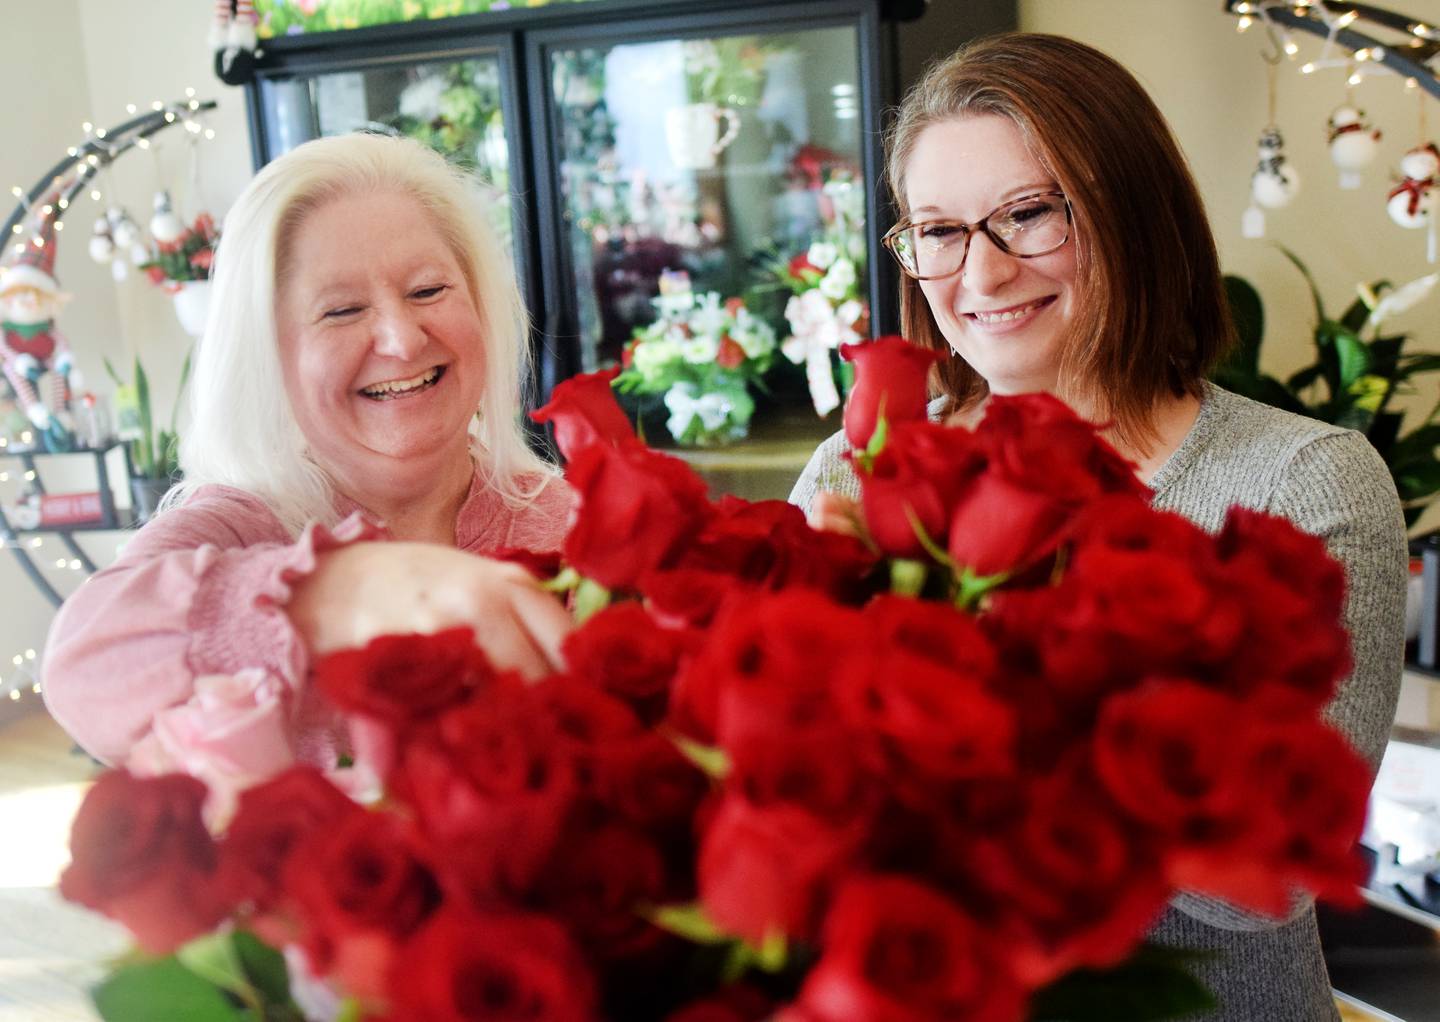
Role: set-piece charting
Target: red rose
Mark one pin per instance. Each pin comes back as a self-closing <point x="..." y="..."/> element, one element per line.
<point x="935" y="631"/>
<point x="1078" y="883"/>
<point x="493" y="967"/>
<point x="142" y="856"/>
<point x="1166" y="754"/>
<point x="271" y="821"/>
<point x="768" y="544"/>
<point x="598" y="883"/>
<point x="689" y="597"/>
<point x="625" y="652"/>
<point x="1291" y="593"/>
<point x="818" y="768"/>
<point x="890" y="380"/>
<point x="491" y="785"/>
<point x="926" y="722"/>
<point x="763" y="871"/>
<point x="915" y="482"/>
<point x="1305" y="793"/>
<point x="803" y="270"/>
<point x="584" y="411"/>
<point x="768" y="660"/>
<point x="637" y="509"/>
<point x="543" y="564"/>
<point x="403" y="679"/>
<point x="646" y="780"/>
<point x="1044" y="465"/>
<point x="896" y="950"/>
<point x="361" y="887"/>
<point x="730" y="355"/>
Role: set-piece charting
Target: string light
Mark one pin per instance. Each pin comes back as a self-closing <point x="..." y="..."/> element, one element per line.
<point x="129" y="108"/>
<point x="1347" y="19"/>
<point x="64" y="203"/>
<point x="1307" y="69"/>
<point x="169" y="117"/>
<point x="1244" y="23"/>
<point x="157" y="105"/>
<point x="1291" y="47"/>
<point x="18" y="192"/>
<point x="59" y="225"/>
<point x="143" y="143"/>
<point x="95" y="194"/>
<point x="88" y="127"/>
<point x="99" y="132"/>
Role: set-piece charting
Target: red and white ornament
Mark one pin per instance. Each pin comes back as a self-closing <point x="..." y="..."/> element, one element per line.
<point x="1353" y="143"/>
<point x="1411" y="202"/>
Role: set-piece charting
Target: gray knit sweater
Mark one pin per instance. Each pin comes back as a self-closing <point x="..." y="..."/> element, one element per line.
<point x="1332" y="483"/>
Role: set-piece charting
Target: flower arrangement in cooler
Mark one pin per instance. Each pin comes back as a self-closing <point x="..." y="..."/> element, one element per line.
<point x="953" y="770"/>
<point x="186" y="258"/>
<point x="827" y="306"/>
<point x="703" y="354"/>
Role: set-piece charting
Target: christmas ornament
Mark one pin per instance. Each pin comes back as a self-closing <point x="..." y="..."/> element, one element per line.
<point x="165" y="227"/>
<point x="1353" y="143"/>
<point x="124" y="230"/>
<point x="102" y="244"/>
<point x="1410" y="202"/>
<point x="233" y="39"/>
<point x="1274" y="182"/>
<point x="30" y="346"/>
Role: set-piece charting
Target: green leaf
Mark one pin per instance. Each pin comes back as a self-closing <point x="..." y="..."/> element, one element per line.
<point x="1248" y="313"/>
<point x="590" y="597"/>
<point x="1151" y="985"/>
<point x="213" y="958"/>
<point x="263" y="966"/>
<point x="712" y="761"/>
<point x="1309" y="280"/>
<point x="1353" y="355"/>
<point x="567" y="580"/>
<point x="163" y="989"/>
<point x="973" y="587"/>
<point x="688" y="921"/>
<point x="881" y="434"/>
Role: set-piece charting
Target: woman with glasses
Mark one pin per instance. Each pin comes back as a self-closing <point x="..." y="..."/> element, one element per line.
<point x="1052" y="239"/>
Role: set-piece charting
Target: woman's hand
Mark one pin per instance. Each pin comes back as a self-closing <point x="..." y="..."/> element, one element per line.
<point x="365" y="590"/>
<point x="833" y="513"/>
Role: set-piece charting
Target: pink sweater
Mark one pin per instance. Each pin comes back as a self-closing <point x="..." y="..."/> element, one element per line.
<point x="198" y="591"/>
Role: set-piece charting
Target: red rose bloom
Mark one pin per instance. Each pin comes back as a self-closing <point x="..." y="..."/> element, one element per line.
<point x="914" y="483"/>
<point x="271" y="821"/>
<point x="403" y="679"/>
<point x="625" y="652"/>
<point x="361" y="888"/>
<point x="890" y="380"/>
<point x="896" y="950"/>
<point x="763" y="871"/>
<point x="1044" y="464"/>
<point x="583" y="411"/>
<point x="493" y="967"/>
<point x="598" y="882"/>
<point x="142" y="856"/>
<point x="637" y="509"/>
<point x="733" y="1004"/>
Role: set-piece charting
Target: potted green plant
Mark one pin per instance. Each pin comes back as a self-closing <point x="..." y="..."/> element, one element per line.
<point x="1357" y="372"/>
<point x="154" y="454"/>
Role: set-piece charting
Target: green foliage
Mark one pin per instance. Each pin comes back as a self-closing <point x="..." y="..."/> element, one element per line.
<point x="153" y="454"/>
<point x="283" y="17"/>
<point x="1352" y="382"/>
<point x="1150" y="985"/>
<point x="222" y="977"/>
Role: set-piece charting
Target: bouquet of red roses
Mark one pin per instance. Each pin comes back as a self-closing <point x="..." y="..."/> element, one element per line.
<point x="952" y="768"/>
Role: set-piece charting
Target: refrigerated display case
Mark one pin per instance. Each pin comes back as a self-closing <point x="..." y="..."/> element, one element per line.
<point x="733" y="147"/>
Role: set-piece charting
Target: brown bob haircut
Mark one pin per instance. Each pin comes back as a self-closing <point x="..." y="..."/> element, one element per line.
<point x="1151" y="316"/>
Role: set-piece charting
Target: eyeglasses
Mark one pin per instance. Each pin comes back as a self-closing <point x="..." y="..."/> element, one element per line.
<point x="1033" y="226"/>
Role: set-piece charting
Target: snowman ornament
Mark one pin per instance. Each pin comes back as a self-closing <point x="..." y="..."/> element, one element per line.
<point x="1274" y="182"/>
<point x="1411" y="203"/>
<point x="1353" y="143"/>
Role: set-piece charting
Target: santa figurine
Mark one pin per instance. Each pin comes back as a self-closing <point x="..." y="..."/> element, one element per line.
<point x="1353" y="144"/>
<point x="31" y="346"/>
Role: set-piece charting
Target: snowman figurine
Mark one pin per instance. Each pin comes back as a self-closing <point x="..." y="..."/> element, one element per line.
<point x="1353" y="144"/>
<point x="1411" y="201"/>
<point x="1274" y="183"/>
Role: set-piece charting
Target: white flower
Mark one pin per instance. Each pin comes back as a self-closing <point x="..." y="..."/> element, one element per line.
<point x="652" y="358"/>
<point x="821" y="255"/>
<point x="701" y="349"/>
<point x="838" y="282"/>
<point x="850" y="312"/>
<point x="754" y="336"/>
<point x="708" y="319"/>
<point x="1401" y="299"/>
<point x="421" y="100"/>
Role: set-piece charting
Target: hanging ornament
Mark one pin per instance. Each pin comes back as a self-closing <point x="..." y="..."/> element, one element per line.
<point x="165" y="227"/>
<point x="233" y="40"/>
<point x="124" y="230"/>
<point x="1274" y="182"/>
<point x="1353" y="143"/>
<point x="102" y="245"/>
<point x="1411" y="203"/>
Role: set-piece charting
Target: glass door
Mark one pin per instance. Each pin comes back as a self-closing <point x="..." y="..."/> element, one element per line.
<point x="711" y="188"/>
<point x="455" y="103"/>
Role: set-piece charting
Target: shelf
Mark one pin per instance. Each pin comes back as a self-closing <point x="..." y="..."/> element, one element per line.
<point x="1392" y="982"/>
<point x="1413" y="906"/>
<point x="124" y="519"/>
<point x="1430" y="673"/>
<point x="12" y="451"/>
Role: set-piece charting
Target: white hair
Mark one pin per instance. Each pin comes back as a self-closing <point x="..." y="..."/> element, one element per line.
<point x="242" y="431"/>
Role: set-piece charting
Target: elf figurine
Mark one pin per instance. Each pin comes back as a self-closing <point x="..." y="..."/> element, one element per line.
<point x="30" y="344"/>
